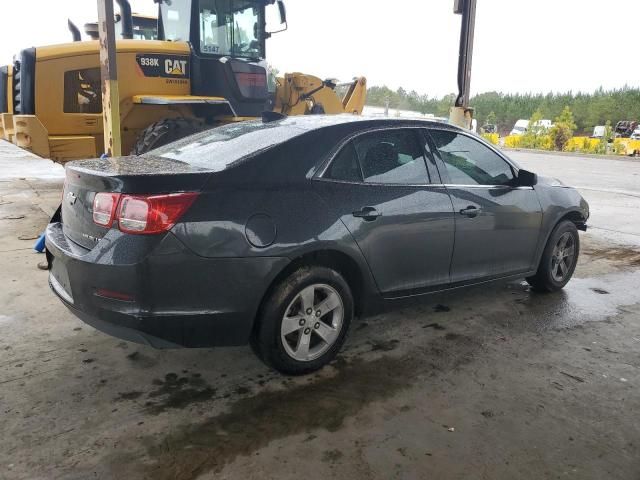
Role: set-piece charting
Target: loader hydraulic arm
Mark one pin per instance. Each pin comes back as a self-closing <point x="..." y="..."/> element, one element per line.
<point x="356" y="96"/>
<point x="300" y="94"/>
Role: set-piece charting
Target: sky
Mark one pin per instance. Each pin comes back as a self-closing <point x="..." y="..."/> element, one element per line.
<point x="521" y="45"/>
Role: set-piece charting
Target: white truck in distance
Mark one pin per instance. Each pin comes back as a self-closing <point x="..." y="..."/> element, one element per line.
<point x="599" y="131"/>
<point x="522" y="126"/>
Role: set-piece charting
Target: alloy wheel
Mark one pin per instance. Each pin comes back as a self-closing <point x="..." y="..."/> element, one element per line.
<point x="312" y="322"/>
<point x="563" y="256"/>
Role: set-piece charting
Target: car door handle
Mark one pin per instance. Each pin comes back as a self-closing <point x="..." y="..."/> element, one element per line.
<point x="367" y="213"/>
<point x="470" y="211"/>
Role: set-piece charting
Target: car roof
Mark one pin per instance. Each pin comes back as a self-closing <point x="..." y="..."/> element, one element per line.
<point x="315" y="122"/>
<point x="218" y="148"/>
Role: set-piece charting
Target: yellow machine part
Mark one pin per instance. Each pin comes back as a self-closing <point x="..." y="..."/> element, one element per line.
<point x="183" y="100"/>
<point x="356" y="96"/>
<point x="63" y="133"/>
<point x="145" y="100"/>
<point x="10" y="88"/>
<point x="31" y="135"/>
<point x="65" y="149"/>
<point x="301" y="94"/>
<point x="6" y="126"/>
<point x="54" y="62"/>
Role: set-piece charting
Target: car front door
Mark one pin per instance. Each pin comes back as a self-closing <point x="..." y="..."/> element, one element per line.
<point x="497" y="221"/>
<point x="390" y="198"/>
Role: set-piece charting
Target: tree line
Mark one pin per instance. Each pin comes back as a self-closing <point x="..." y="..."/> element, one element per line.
<point x="589" y="109"/>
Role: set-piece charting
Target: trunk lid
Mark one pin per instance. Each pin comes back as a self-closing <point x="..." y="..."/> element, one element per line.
<point x="127" y="175"/>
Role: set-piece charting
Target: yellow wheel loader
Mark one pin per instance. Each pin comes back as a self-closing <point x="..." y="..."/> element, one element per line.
<point x="207" y="68"/>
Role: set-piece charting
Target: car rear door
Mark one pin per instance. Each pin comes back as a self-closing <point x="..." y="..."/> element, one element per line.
<point x="381" y="186"/>
<point x="497" y="222"/>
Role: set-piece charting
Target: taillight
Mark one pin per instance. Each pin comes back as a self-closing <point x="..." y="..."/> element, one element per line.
<point x="104" y="208"/>
<point x="149" y="214"/>
<point x="144" y="214"/>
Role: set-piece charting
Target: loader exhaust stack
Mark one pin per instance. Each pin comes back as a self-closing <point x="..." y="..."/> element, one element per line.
<point x="127" y="19"/>
<point x="75" y="32"/>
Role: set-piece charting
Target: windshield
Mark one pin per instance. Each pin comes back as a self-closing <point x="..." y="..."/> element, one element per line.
<point x="145" y="28"/>
<point x="231" y="27"/>
<point x="226" y="27"/>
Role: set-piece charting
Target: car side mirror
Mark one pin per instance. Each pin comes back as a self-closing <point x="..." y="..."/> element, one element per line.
<point x="527" y="178"/>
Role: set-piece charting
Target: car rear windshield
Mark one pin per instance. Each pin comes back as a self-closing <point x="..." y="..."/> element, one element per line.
<point x="219" y="148"/>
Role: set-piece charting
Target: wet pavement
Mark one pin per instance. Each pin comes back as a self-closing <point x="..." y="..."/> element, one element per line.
<point x="489" y="382"/>
<point x="16" y="163"/>
<point x="611" y="186"/>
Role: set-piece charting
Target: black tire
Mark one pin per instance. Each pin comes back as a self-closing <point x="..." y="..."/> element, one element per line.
<point x="545" y="280"/>
<point x="165" y="131"/>
<point x="266" y="340"/>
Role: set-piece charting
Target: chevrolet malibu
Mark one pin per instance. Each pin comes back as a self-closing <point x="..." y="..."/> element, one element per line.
<point x="278" y="233"/>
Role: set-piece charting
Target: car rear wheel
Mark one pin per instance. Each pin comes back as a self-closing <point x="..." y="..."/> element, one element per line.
<point x="165" y="131"/>
<point x="304" y="321"/>
<point x="559" y="259"/>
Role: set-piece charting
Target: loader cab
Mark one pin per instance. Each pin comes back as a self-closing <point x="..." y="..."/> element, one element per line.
<point x="227" y="39"/>
<point x="144" y="27"/>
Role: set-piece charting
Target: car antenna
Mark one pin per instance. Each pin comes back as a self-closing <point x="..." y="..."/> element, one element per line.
<point x="270" y="116"/>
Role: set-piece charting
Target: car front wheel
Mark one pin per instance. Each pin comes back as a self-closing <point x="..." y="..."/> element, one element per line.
<point x="304" y="321"/>
<point x="559" y="259"/>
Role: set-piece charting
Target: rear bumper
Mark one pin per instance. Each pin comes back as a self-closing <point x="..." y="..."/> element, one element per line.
<point x="178" y="299"/>
<point x="115" y="327"/>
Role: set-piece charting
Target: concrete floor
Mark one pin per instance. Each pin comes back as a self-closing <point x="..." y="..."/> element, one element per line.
<point x="492" y="382"/>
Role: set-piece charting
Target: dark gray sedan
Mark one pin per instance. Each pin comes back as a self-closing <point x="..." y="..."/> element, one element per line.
<point x="279" y="233"/>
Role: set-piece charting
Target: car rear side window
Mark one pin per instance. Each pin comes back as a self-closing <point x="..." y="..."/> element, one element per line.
<point x="345" y="165"/>
<point x="388" y="157"/>
<point x="221" y="147"/>
<point x="469" y="162"/>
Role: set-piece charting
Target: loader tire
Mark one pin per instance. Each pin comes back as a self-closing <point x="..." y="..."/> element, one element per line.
<point x="165" y="131"/>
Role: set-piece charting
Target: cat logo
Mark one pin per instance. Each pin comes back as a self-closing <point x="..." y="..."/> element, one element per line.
<point x="175" y="67"/>
<point x="164" y="66"/>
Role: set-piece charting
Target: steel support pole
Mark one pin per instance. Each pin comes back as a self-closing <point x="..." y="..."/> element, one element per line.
<point x="467" y="31"/>
<point x="109" y="77"/>
<point x="461" y="114"/>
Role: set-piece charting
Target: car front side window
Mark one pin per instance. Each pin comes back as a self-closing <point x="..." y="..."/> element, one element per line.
<point x="469" y="162"/>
